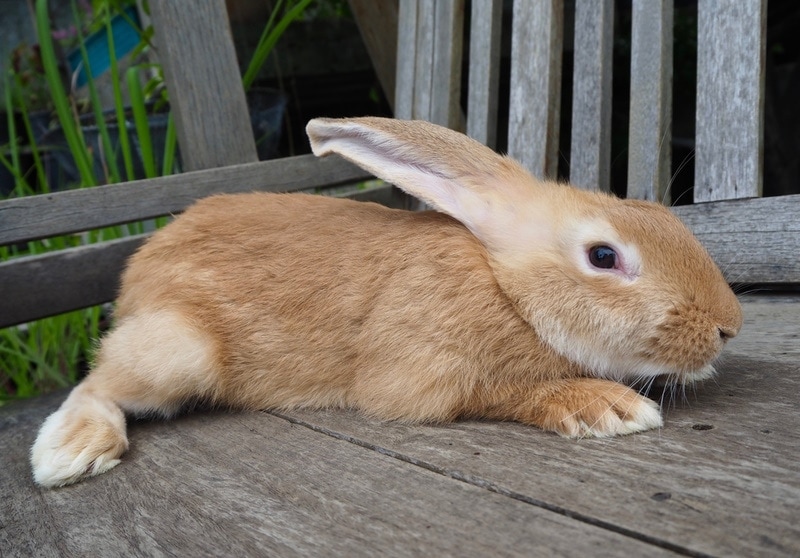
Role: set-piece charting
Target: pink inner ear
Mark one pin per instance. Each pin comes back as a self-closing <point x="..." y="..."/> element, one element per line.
<point x="492" y="196"/>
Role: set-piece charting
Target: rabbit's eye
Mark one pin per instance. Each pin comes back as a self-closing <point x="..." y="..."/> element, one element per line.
<point x="602" y="257"/>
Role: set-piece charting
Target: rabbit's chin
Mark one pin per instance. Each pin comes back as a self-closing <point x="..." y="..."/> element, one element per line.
<point x="686" y="378"/>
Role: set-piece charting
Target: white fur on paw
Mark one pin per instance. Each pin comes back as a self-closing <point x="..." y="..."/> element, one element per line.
<point x="646" y="416"/>
<point x="643" y="415"/>
<point x="77" y="443"/>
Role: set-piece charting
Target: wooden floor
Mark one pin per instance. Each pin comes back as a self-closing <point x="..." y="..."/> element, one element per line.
<point x="721" y="478"/>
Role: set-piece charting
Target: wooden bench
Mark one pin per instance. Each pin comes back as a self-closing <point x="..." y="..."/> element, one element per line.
<point x="721" y="478"/>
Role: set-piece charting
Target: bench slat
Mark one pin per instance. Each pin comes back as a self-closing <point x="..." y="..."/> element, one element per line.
<point x="41" y="286"/>
<point x="590" y="152"/>
<point x="202" y="76"/>
<point x="406" y="59"/>
<point x="651" y="100"/>
<point x="484" y="71"/>
<point x="67" y="212"/>
<point x="535" y="95"/>
<point x="731" y="42"/>
<point x="445" y="93"/>
<point x="429" y="61"/>
<point x="753" y="240"/>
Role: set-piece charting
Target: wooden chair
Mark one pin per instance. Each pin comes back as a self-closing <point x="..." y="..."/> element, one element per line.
<point x="720" y="478"/>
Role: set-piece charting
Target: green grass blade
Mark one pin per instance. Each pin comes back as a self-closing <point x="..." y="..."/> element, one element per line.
<point x="108" y="158"/>
<point x="13" y="140"/>
<point x="119" y="104"/>
<point x="170" y="147"/>
<point x="140" y="121"/>
<point x="60" y="99"/>
<point x="38" y="164"/>
<point x="265" y="46"/>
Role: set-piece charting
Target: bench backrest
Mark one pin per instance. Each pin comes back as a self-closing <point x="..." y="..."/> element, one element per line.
<point x="755" y="238"/>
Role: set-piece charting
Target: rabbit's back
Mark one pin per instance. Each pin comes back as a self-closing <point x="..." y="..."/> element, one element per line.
<point x="315" y="301"/>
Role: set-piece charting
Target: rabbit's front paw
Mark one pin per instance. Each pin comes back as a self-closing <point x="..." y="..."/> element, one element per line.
<point x="77" y="442"/>
<point x="596" y="408"/>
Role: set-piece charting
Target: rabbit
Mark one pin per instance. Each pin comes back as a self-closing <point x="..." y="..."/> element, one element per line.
<point x="518" y="300"/>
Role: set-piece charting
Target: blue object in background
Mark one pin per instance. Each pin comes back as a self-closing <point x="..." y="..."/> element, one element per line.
<point x="125" y="32"/>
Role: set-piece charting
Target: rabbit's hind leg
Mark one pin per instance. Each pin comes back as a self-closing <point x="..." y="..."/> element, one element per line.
<point x="149" y="364"/>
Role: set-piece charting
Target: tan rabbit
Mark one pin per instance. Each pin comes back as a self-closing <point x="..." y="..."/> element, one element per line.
<point x="522" y="300"/>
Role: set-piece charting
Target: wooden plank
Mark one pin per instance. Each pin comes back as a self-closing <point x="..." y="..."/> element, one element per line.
<point x="435" y="82"/>
<point x="67" y="212"/>
<point x="377" y="23"/>
<point x="730" y="99"/>
<point x="46" y="285"/>
<point x="71" y="279"/>
<point x="406" y="59"/>
<point x="445" y="95"/>
<point x="650" y="151"/>
<point x="753" y="240"/>
<point x="731" y="448"/>
<point x="202" y="75"/>
<point x="535" y="96"/>
<point x="484" y="71"/>
<point x="251" y="484"/>
<point x="590" y="152"/>
<point x="771" y="327"/>
<point x="423" y="62"/>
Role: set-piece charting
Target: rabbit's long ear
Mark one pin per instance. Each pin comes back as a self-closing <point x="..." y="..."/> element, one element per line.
<point x="445" y="169"/>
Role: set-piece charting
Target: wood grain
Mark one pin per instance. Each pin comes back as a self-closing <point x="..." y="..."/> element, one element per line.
<point x="202" y="74"/>
<point x="721" y="478"/>
<point x="40" y="286"/>
<point x="484" y="71"/>
<point x="753" y="240"/>
<point x="535" y="96"/>
<point x="406" y="59"/>
<point x="590" y="152"/>
<point x="649" y="129"/>
<point x="430" y="42"/>
<point x="731" y="42"/>
<point x="251" y="484"/>
<point x="445" y="93"/>
<point x="67" y="212"/>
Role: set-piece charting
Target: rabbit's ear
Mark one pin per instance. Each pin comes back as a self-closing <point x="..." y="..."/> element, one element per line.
<point x="447" y="170"/>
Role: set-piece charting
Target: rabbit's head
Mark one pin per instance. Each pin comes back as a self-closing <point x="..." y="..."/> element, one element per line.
<point x="620" y="287"/>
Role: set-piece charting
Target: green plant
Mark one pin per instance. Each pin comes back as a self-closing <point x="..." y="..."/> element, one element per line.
<point x="53" y="352"/>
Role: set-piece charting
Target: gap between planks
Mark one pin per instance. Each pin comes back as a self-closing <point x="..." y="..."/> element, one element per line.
<point x="482" y="483"/>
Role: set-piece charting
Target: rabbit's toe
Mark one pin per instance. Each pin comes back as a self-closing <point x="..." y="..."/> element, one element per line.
<point x="612" y="415"/>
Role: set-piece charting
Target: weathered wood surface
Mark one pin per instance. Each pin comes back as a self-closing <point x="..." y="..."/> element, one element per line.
<point x="71" y="211"/>
<point x="753" y="240"/>
<point x="537" y="38"/>
<point x="484" y="71"/>
<point x="722" y="478"/>
<point x="731" y="45"/>
<point x="649" y="132"/>
<point x="590" y="151"/>
<point x="202" y="74"/>
<point x="430" y="43"/>
<point x="40" y="286"/>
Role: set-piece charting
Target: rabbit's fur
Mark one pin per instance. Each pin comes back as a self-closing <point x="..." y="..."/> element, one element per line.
<point x="491" y="308"/>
